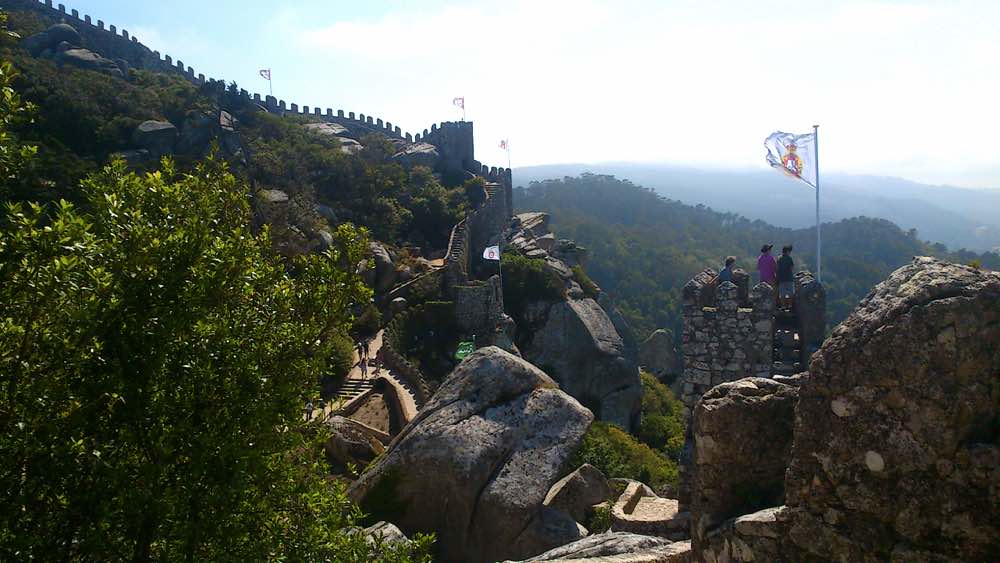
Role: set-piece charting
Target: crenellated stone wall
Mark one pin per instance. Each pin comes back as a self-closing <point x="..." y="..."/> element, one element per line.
<point x="725" y="339"/>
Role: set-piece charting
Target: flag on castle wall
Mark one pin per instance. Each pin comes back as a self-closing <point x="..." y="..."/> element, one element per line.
<point x="265" y="74"/>
<point x="491" y="253"/>
<point x="503" y="144"/>
<point x="794" y="155"/>
<point x="460" y="102"/>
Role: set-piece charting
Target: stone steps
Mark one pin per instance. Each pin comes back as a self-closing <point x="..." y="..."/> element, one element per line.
<point x="352" y="388"/>
<point x="787" y="349"/>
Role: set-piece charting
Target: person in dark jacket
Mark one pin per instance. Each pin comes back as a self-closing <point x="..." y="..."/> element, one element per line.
<point x="726" y="274"/>
<point x="786" y="278"/>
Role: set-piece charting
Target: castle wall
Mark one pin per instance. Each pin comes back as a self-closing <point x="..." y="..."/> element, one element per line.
<point x="724" y="342"/>
<point x="479" y="306"/>
<point x="454" y="141"/>
<point x="810" y="307"/>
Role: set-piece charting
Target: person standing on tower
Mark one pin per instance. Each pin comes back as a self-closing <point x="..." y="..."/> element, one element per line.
<point x="786" y="278"/>
<point x="766" y="266"/>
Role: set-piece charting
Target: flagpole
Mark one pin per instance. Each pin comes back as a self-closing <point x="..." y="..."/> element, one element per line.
<point x="819" y="246"/>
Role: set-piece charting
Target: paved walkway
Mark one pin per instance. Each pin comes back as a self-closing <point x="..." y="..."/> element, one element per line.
<point x="356" y="384"/>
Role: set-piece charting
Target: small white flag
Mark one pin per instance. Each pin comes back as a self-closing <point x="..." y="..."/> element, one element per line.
<point x="794" y="155"/>
<point x="491" y="253"/>
<point x="503" y="144"/>
<point x="265" y="74"/>
<point x="460" y="102"/>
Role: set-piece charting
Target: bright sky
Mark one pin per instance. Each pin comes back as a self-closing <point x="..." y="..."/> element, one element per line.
<point x="905" y="88"/>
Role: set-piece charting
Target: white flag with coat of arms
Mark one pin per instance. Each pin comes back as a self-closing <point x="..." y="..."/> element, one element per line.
<point x="491" y="253"/>
<point x="794" y="155"/>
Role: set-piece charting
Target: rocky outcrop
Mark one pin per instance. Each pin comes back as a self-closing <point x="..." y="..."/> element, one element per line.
<point x="385" y="268"/>
<point x="579" y="346"/>
<point x="658" y="355"/>
<point x="200" y="129"/>
<point x="577" y="492"/>
<point x="476" y="463"/>
<point x="582" y="341"/>
<point x="742" y="441"/>
<point x="620" y="547"/>
<point x="385" y="533"/>
<point x="896" y="452"/>
<point x="50" y="38"/>
<point x="157" y="137"/>
<point x="896" y="439"/>
<point x="417" y="154"/>
<point x="63" y="44"/>
<point x="350" y="444"/>
<point x="87" y="60"/>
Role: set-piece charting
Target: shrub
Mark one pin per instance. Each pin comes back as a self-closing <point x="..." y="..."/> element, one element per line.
<point x="368" y="323"/>
<point x="526" y="280"/>
<point x="619" y="454"/>
<point x="600" y="519"/>
<point x="587" y="284"/>
<point x="662" y="426"/>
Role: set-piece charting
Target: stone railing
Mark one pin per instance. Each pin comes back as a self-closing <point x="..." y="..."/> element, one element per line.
<point x="393" y="359"/>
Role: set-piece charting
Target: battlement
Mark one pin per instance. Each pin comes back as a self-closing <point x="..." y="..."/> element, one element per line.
<point x="727" y="333"/>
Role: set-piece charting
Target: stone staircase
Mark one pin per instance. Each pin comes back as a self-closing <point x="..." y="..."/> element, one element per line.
<point x="787" y="358"/>
<point x="350" y="389"/>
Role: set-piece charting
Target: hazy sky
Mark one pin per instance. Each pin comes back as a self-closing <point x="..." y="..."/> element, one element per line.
<point x="900" y="88"/>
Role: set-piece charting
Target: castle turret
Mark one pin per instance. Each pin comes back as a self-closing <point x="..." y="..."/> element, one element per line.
<point x="725" y="337"/>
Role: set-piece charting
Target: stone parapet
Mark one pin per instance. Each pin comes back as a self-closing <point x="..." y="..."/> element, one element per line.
<point x="724" y="342"/>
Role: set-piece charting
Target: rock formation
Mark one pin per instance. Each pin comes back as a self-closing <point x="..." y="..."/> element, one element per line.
<point x="577" y="492"/>
<point x="658" y="355"/>
<point x="754" y="418"/>
<point x="349" y="443"/>
<point x="157" y="137"/>
<point x="896" y="449"/>
<point x="476" y="463"/>
<point x="619" y="547"/>
<point x="577" y="340"/>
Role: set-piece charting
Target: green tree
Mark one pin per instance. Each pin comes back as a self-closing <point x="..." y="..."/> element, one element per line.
<point x="154" y="357"/>
<point x="662" y="423"/>
<point x="13" y="154"/>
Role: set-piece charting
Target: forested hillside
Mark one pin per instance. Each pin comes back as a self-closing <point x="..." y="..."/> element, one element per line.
<point x="644" y="248"/>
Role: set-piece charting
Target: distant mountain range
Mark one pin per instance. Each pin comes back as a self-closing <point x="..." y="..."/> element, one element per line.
<point x="955" y="217"/>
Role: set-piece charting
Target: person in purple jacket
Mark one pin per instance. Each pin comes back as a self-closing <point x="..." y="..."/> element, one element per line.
<point x="767" y="267"/>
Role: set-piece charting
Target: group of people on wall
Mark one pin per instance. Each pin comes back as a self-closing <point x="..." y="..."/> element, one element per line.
<point x="779" y="274"/>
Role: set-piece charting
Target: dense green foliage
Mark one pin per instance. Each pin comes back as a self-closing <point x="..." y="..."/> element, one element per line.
<point x="526" y="280"/>
<point x="619" y="454"/>
<point x="662" y="425"/>
<point x="367" y="188"/>
<point x="428" y="336"/>
<point x="644" y="248"/>
<point x="154" y="355"/>
<point x="651" y="455"/>
<point x="586" y="284"/>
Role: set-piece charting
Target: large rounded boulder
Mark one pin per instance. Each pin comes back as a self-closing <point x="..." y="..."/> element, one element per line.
<point x="476" y="463"/>
<point x="896" y="451"/>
